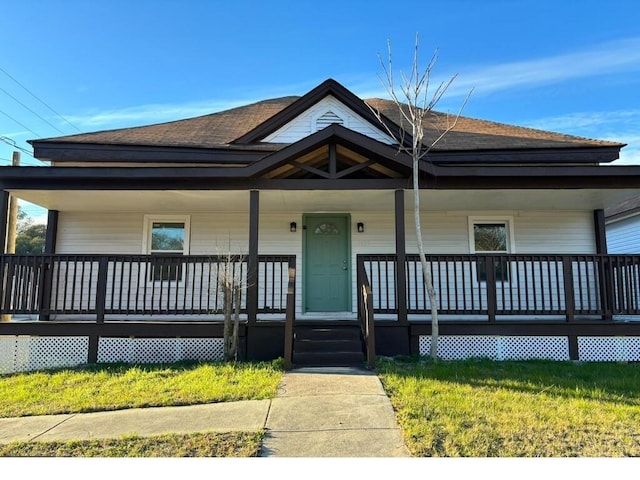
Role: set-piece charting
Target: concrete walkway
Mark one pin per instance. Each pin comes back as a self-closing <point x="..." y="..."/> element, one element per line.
<point x="323" y="412"/>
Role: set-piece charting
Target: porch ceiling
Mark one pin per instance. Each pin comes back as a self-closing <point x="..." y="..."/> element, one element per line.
<point x="321" y="200"/>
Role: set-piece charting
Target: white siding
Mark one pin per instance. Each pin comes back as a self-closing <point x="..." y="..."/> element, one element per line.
<point x="623" y="236"/>
<point x="90" y="232"/>
<point x="305" y="124"/>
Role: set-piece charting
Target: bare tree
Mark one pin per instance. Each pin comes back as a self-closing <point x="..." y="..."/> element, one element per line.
<point x="415" y="102"/>
<point x="231" y="284"/>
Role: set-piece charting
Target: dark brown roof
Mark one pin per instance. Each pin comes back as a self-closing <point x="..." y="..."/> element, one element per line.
<point x="474" y="134"/>
<point x="219" y="130"/>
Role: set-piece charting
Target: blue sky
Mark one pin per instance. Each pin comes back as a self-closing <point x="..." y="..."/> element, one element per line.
<point x="568" y="66"/>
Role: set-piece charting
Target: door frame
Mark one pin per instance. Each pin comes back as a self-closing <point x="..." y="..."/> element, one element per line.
<point x="305" y="216"/>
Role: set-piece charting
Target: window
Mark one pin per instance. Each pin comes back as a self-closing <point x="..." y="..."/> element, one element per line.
<point x="489" y="235"/>
<point x="166" y="237"/>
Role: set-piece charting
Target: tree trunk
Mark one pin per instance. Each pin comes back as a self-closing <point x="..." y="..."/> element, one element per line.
<point x="426" y="272"/>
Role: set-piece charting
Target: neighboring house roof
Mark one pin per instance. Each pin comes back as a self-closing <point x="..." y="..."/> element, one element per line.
<point x="623" y="210"/>
<point x="242" y="128"/>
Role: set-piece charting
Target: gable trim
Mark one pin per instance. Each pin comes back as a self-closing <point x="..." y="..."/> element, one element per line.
<point x="343" y="136"/>
<point x="328" y="87"/>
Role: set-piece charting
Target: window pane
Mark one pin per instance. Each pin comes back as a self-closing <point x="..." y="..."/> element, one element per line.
<point x="167" y="236"/>
<point x="490" y="237"/>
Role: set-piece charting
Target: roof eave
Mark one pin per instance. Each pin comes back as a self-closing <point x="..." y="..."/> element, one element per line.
<point x="100" y="152"/>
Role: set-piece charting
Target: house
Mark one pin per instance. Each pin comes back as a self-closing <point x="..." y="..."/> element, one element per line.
<point x="313" y="197"/>
<point x="623" y="227"/>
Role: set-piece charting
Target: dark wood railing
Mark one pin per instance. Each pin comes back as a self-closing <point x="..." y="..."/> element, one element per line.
<point x="366" y="314"/>
<point x="100" y="285"/>
<point x="494" y="285"/>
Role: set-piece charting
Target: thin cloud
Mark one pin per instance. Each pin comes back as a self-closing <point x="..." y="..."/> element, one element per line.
<point x="619" y="126"/>
<point x="587" y="120"/>
<point x="603" y="59"/>
<point x="608" y="58"/>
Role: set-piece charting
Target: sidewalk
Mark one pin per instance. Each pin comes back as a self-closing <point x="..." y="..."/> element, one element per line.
<point x="323" y="412"/>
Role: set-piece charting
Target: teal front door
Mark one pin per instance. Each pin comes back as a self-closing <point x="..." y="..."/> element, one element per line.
<point x="327" y="266"/>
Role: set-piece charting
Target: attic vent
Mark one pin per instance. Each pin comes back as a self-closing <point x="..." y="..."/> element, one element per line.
<point x="327" y="119"/>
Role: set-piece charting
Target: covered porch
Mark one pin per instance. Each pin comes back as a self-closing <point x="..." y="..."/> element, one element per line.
<point x="96" y="282"/>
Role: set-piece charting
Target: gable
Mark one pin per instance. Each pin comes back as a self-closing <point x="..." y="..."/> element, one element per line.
<point x="327" y="111"/>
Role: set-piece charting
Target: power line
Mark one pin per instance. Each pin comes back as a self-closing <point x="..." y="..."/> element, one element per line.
<point x="12" y="142"/>
<point x="36" y="114"/>
<point x="41" y="101"/>
<point x="21" y="124"/>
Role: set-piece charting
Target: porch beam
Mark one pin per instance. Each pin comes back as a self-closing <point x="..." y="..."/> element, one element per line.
<point x="202" y="178"/>
<point x="401" y="266"/>
<point x="252" y="261"/>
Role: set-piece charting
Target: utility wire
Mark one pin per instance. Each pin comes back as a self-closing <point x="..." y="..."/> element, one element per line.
<point x="41" y="101"/>
<point x="21" y="124"/>
<point x="12" y="142"/>
<point x="36" y="114"/>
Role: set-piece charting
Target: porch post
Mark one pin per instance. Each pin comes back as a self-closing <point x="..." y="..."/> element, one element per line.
<point x="401" y="266"/>
<point x="604" y="268"/>
<point x="52" y="232"/>
<point x="252" y="263"/>
<point x="45" y="274"/>
<point x="4" y="216"/>
<point x="600" y="232"/>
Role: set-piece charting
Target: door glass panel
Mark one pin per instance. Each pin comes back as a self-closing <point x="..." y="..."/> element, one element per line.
<point x="326" y="229"/>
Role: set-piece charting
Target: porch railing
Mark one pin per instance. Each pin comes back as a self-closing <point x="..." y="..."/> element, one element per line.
<point x="493" y="285"/>
<point x="99" y="285"/>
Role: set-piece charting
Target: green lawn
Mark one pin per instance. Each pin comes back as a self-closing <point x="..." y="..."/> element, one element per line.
<point x="112" y="387"/>
<point x="483" y="408"/>
<point x="236" y="444"/>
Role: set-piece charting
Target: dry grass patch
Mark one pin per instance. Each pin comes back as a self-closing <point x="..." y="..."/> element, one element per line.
<point x="236" y="444"/>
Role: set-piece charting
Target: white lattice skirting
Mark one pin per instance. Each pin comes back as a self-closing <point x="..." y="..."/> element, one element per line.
<point x="459" y="347"/>
<point x="24" y="353"/>
<point x="159" y="350"/>
<point x="609" y="349"/>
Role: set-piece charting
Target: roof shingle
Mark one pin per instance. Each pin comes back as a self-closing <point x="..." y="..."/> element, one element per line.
<point x="219" y="130"/>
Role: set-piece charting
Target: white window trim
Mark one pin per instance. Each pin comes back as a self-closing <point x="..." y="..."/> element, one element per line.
<point x="148" y="222"/>
<point x="507" y="220"/>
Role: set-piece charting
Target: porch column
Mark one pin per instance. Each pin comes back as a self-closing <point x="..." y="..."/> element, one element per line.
<point x="600" y="232"/>
<point x="604" y="268"/>
<point x="52" y="232"/>
<point x="401" y="266"/>
<point x="45" y="274"/>
<point x="252" y="261"/>
<point x="4" y="217"/>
